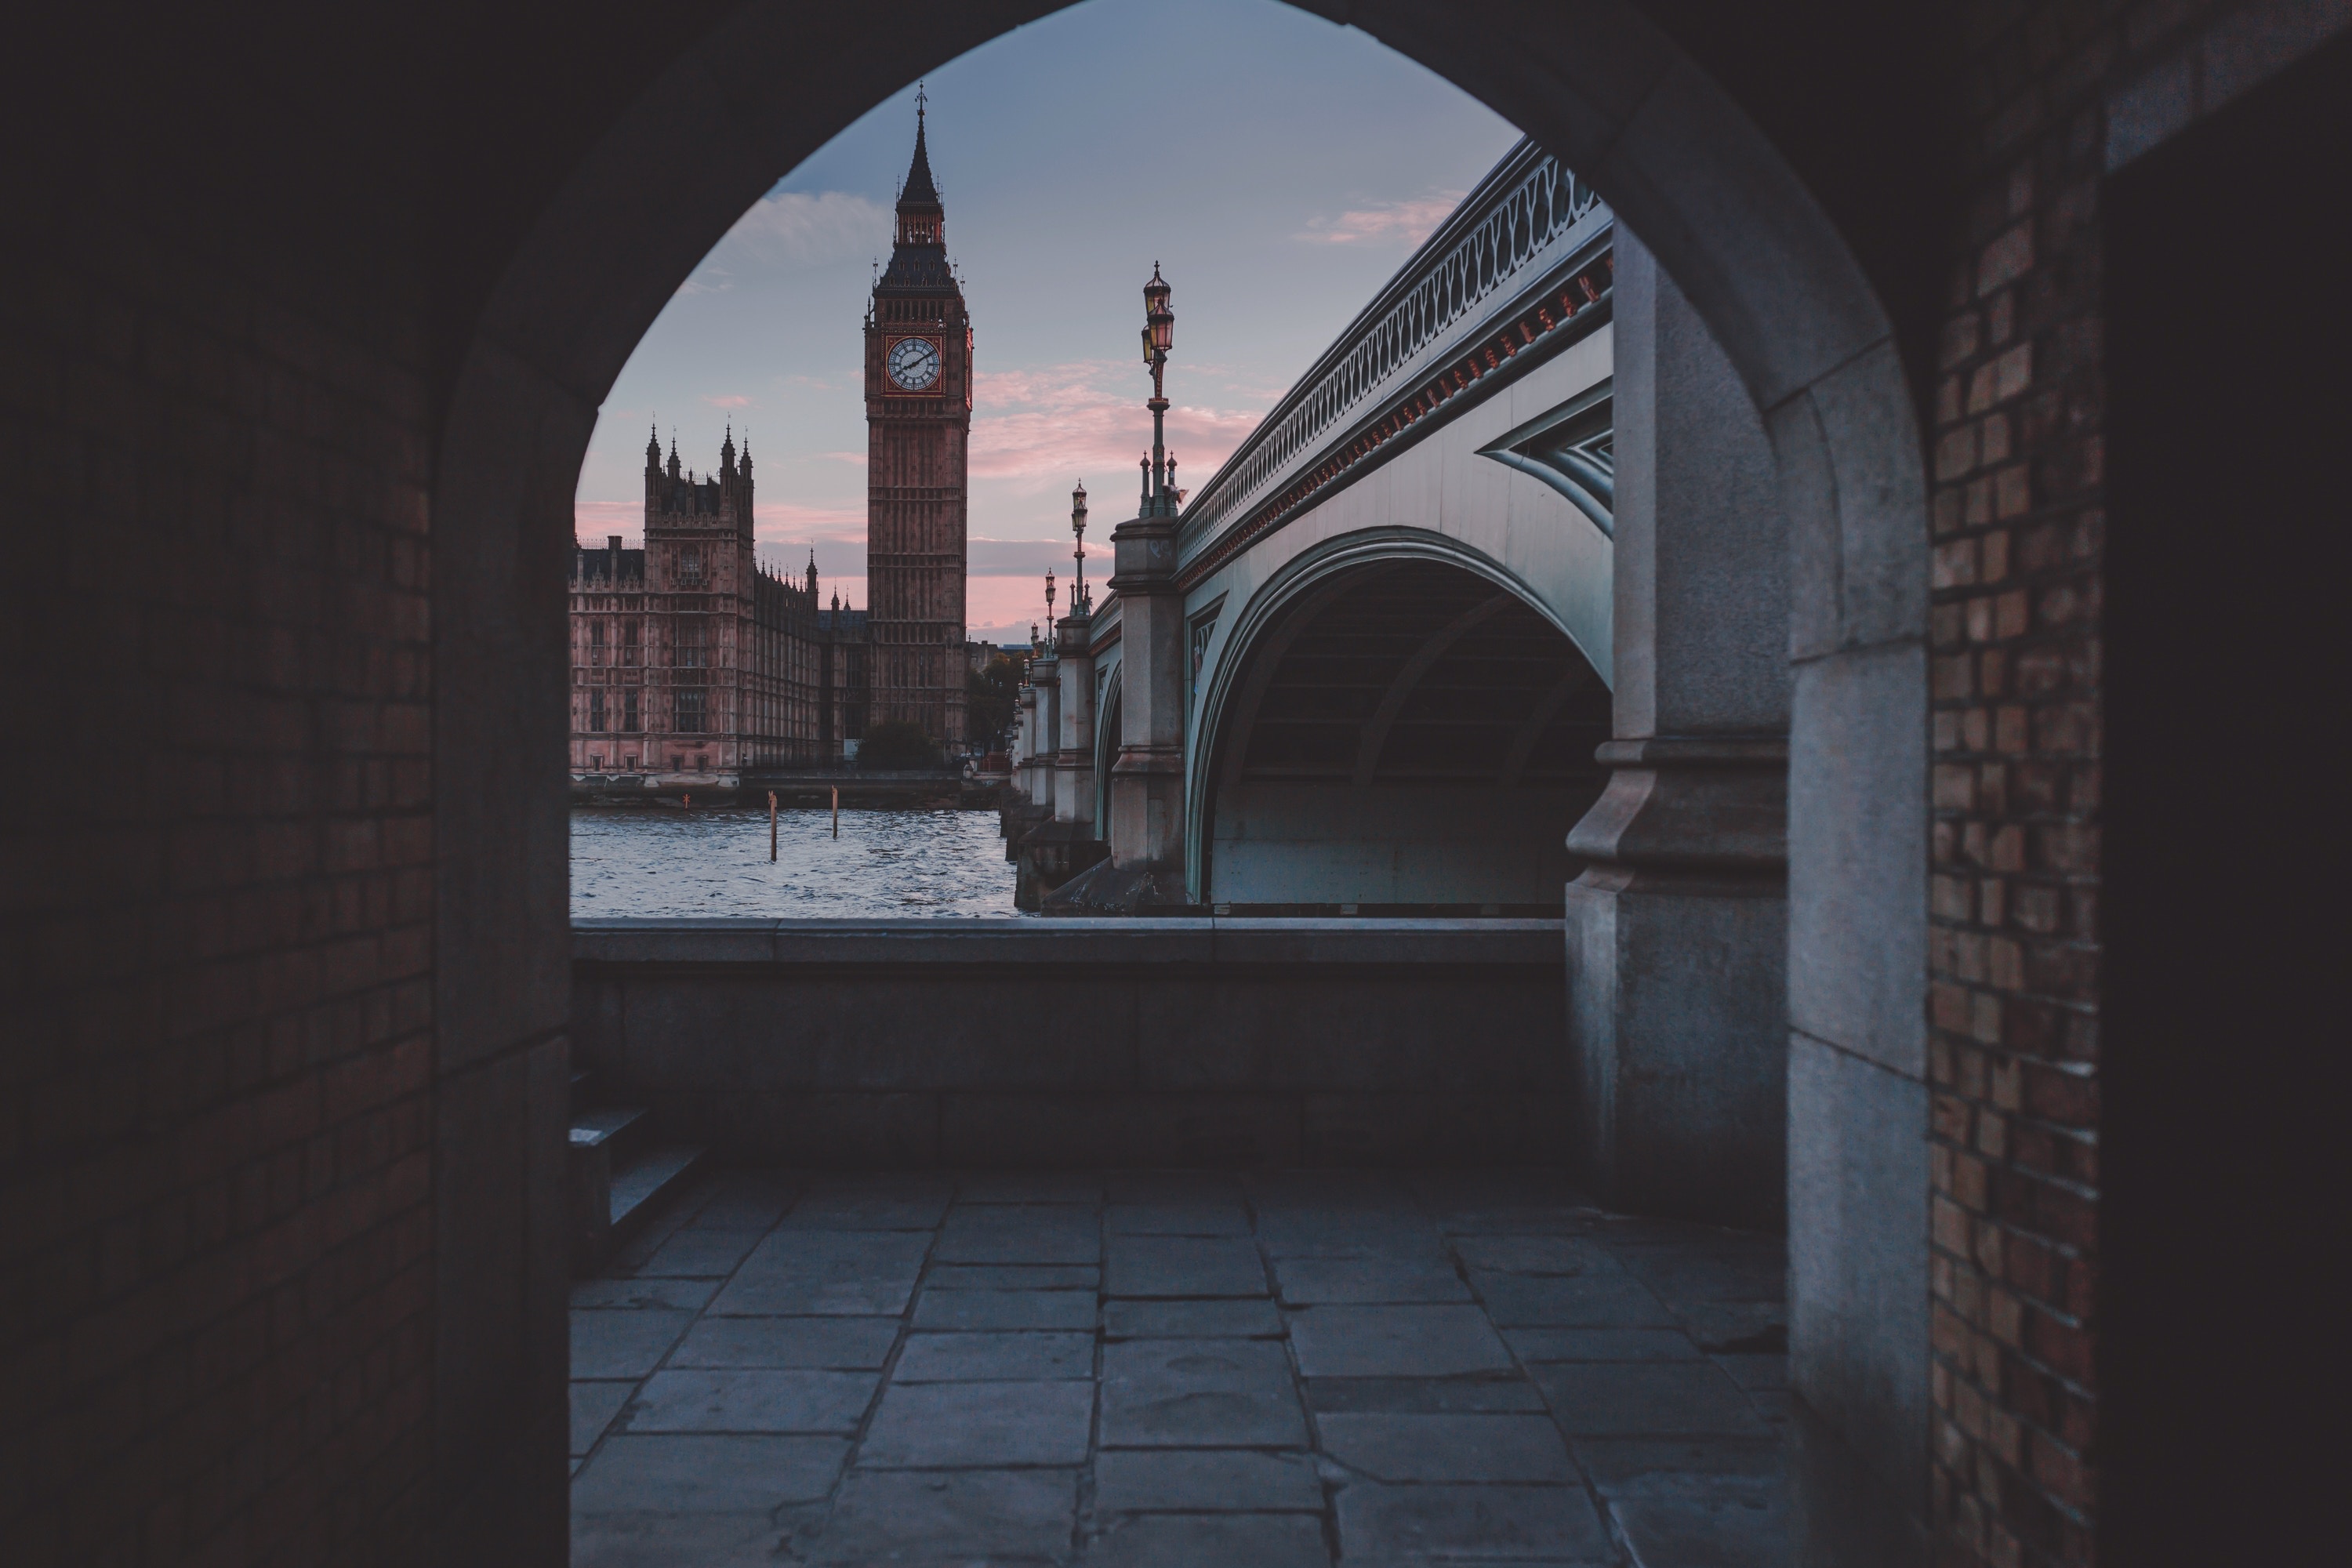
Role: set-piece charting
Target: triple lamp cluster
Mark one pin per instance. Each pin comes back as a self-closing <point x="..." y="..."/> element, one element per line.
<point x="1160" y="496"/>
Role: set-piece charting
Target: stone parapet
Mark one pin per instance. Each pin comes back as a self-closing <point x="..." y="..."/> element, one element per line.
<point x="1178" y="1041"/>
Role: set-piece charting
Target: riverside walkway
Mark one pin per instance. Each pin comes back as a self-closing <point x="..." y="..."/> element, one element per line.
<point x="1268" y="1368"/>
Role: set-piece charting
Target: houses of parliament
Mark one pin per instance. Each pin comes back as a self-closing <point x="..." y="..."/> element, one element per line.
<point x="692" y="663"/>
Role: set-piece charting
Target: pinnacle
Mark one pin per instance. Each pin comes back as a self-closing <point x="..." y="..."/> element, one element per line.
<point x="919" y="189"/>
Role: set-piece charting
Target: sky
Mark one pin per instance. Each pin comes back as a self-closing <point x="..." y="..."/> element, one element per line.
<point x="1279" y="172"/>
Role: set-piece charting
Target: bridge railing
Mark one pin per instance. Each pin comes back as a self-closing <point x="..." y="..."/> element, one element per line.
<point x="1531" y="222"/>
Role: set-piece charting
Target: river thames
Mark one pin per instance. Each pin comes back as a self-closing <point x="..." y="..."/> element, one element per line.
<point x="662" y="860"/>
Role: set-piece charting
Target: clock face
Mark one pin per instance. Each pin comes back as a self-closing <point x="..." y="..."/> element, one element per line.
<point x="914" y="363"/>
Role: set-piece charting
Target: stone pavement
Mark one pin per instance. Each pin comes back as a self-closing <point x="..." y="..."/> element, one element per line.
<point x="1177" y="1368"/>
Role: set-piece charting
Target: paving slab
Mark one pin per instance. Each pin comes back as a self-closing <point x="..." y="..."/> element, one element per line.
<point x="1019" y="1234"/>
<point x="1227" y="1541"/>
<point x="877" y="1204"/>
<point x="1135" y="1479"/>
<point x="944" y="1424"/>
<point x="1013" y="1277"/>
<point x="667" y="1539"/>
<point x="1005" y="1309"/>
<point x="1738" y="1326"/>
<point x="1430" y="1447"/>
<point x="1395" y="1342"/>
<point x="692" y="1474"/>
<point x="849" y="1344"/>
<point x="695" y="1252"/>
<point x="1347" y="1233"/>
<point x="989" y="1357"/>
<point x="593" y="1406"/>
<point x="1737" y="1269"/>
<point x="1179" y="1265"/>
<point x="1617" y="1466"/>
<point x="1576" y="1300"/>
<point x="685" y="1295"/>
<point x="1537" y="1255"/>
<point x="1221" y="1393"/>
<point x="1177" y="1219"/>
<point x="1412" y="1524"/>
<point x="608" y="1342"/>
<point x="1710" y="1528"/>
<point x="826" y="1273"/>
<point x="1756" y="1373"/>
<point x="1652" y="1399"/>
<point x="741" y="1399"/>
<point x="747" y="1200"/>
<point x="1489" y="1394"/>
<point x="936" y="1518"/>
<point x="1191" y="1319"/>
<point x="1600" y="1344"/>
<point x="1305" y="1281"/>
<point x="1515" y="1220"/>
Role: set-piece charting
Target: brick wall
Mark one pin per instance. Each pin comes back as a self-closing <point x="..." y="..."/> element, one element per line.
<point x="215" y="942"/>
<point x="2018" y="517"/>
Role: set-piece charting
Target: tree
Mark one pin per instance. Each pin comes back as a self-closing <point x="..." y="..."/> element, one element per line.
<point x="992" y="696"/>
<point x="894" y="745"/>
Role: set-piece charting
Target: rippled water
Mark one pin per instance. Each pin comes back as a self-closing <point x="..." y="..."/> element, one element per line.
<point x="659" y="861"/>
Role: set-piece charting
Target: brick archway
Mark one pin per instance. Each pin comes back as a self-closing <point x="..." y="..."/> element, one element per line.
<point x="1685" y="165"/>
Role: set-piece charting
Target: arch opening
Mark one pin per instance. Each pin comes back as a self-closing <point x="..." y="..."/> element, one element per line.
<point x="1405" y="738"/>
<point x="1680" y="160"/>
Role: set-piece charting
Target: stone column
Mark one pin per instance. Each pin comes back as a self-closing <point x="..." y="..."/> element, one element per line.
<point x="1074" y="771"/>
<point x="1677" y="944"/>
<point x="1028" y="774"/>
<point x="1146" y="783"/>
<point x="1045" y="676"/>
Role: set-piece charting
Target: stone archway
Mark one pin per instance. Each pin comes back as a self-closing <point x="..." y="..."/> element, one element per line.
<point x="1683" y="163"/>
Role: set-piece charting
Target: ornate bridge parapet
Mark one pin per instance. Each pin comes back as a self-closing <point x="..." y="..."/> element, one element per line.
<point x="1521" y="269"/>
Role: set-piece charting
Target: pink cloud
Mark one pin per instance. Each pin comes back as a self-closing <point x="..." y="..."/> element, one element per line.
<point x="1385" y="223"/>
<point x="1058" y="424"/>
<point x="858" y="458"/>
<point x="726" y="400"/>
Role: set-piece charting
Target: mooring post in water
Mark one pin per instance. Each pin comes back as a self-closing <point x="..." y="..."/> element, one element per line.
<point x="771" y="825"/>
<point x="837" y="811"/>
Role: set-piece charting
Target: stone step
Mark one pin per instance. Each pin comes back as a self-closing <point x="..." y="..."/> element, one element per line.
<point x="649" y="1182"/>
<point x="621" y="1130"/>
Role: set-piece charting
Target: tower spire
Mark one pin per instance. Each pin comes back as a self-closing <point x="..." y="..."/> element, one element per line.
<point x="920" y="213"/>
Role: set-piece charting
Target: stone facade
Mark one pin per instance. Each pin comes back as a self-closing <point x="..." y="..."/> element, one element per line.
<point x="692" y="663"/>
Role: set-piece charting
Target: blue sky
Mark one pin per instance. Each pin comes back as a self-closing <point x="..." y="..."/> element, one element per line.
<point x="1277" y="167"/>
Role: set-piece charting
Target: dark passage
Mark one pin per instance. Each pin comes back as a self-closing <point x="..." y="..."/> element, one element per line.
<point x="2229" y="252"/>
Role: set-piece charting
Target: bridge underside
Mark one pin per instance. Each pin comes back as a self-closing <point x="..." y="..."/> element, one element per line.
<point x="1410" y="739"/>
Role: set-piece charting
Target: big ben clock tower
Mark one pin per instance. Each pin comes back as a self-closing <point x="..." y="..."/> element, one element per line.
<point x="918" y="431"/>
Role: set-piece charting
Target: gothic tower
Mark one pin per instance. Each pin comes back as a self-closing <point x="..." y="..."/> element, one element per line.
<point x="918" y="424"/>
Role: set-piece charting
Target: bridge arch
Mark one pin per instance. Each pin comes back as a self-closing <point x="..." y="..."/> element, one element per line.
<point x="1388" y="809"/>
<point x="1773" y="237"/>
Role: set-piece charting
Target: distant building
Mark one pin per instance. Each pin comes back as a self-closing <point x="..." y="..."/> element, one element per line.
<point x="692" y="663"/>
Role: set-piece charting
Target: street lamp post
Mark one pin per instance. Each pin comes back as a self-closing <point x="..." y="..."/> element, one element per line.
<point x="1158" y="337"/>
<point x="1079" y="603"/>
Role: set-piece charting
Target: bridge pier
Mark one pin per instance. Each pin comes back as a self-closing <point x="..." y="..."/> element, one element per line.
<point x="1064" y="845"/>
<point x="1677" y="928"/>
<point x="1146" y="868"/>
